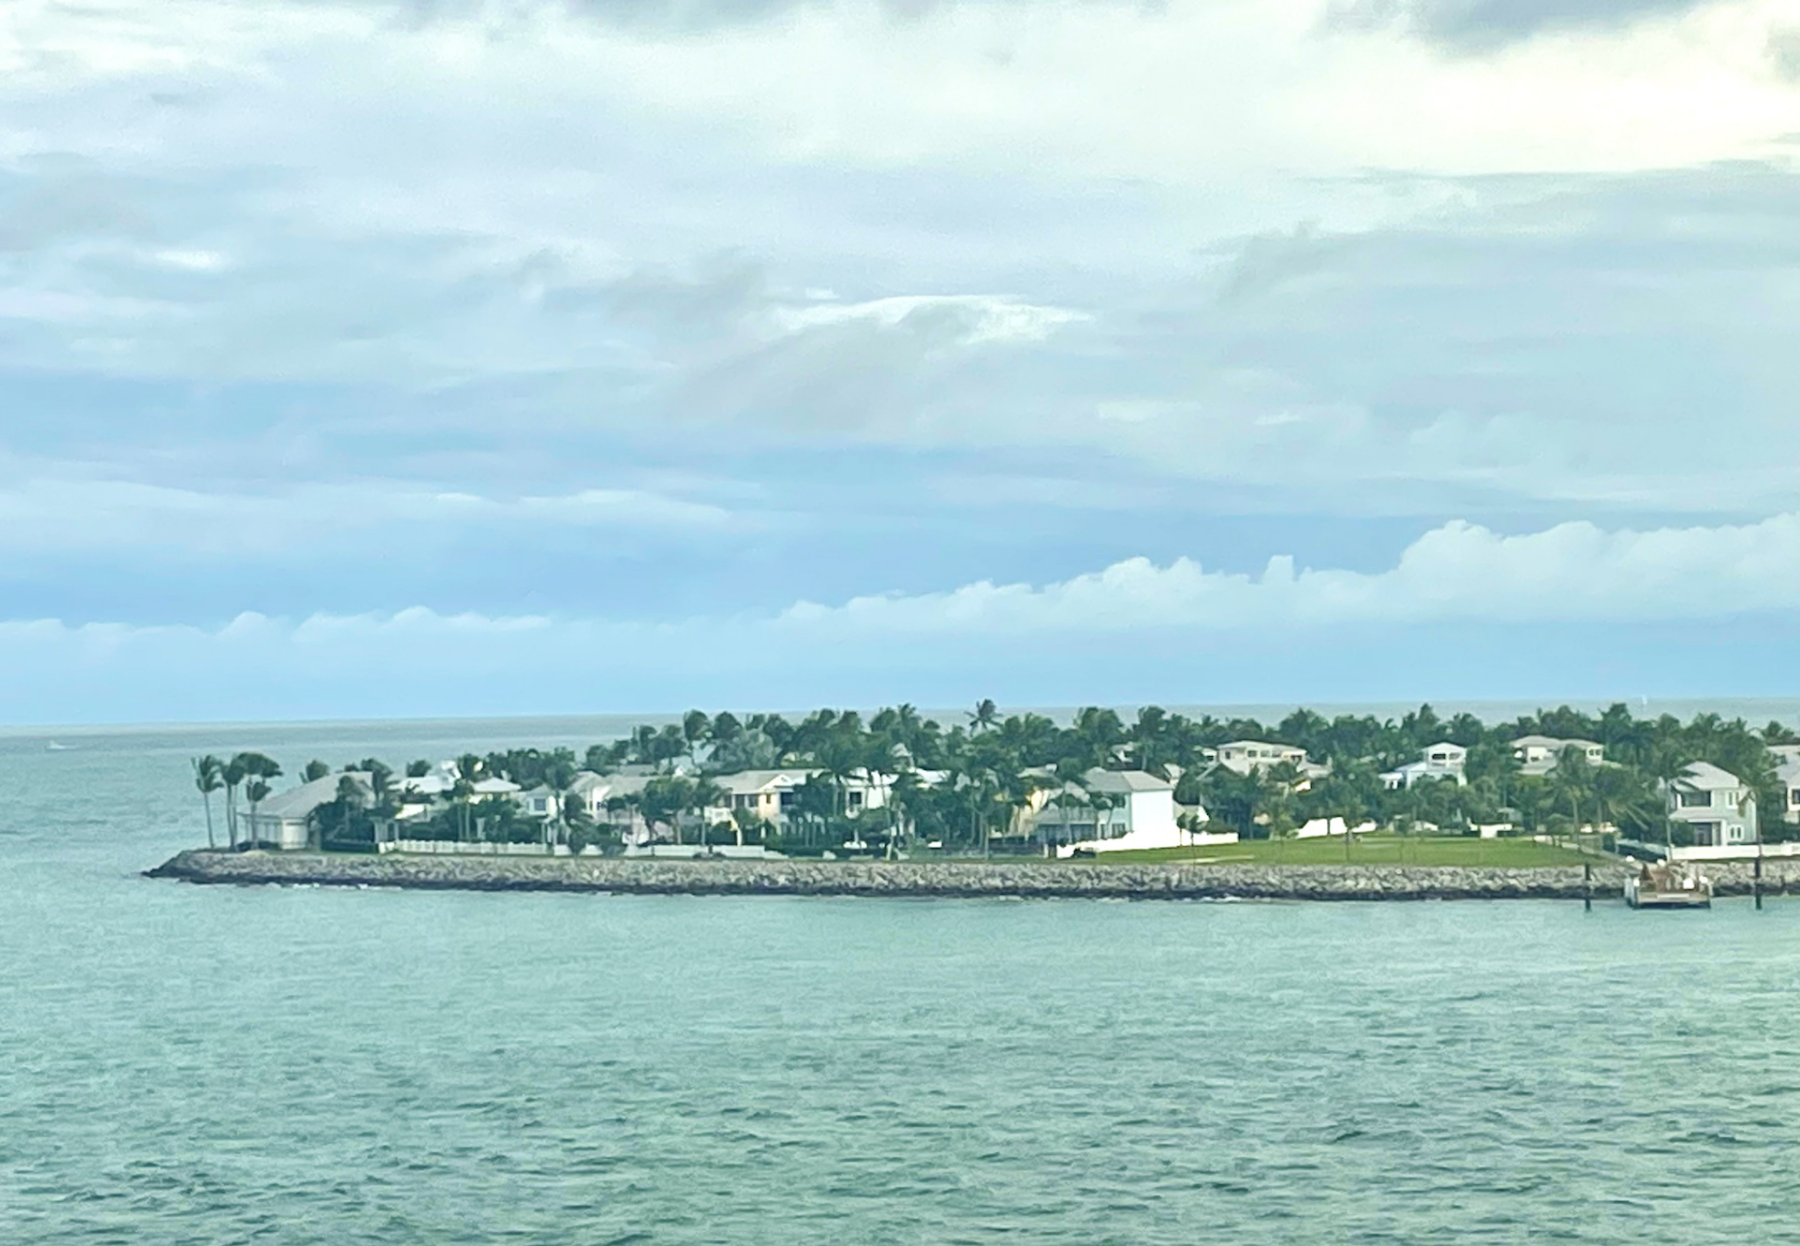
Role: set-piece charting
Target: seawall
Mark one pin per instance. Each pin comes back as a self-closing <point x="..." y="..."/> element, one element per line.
<point x="930" y="878"/>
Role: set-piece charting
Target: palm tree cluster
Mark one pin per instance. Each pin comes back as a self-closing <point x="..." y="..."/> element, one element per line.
<point x="968" y="785"/>
<point x="250" y="771"/>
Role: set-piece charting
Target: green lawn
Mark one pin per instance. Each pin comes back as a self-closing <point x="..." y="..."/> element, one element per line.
<point x="1366" y="850"/>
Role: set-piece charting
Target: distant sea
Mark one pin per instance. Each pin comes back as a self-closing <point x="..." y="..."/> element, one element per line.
<point x="448" y="736"/>
<point x="207" y="1065"/>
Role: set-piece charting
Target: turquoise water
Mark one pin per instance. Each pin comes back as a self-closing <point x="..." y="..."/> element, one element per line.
<point x="205" y="1065"/>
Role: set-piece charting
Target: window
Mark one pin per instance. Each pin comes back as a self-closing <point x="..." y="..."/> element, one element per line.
<point x="1693" y="800"/>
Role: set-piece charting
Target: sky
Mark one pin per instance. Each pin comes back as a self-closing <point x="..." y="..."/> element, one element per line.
<point x="423" y="357"/>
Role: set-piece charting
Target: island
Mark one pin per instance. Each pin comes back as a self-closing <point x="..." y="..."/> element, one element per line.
<point x="1558" y="804"/>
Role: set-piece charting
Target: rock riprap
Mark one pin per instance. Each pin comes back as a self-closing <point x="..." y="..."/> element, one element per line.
<point x="1028" y="879"/>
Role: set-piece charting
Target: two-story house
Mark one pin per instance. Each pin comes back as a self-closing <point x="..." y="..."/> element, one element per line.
<point x="1441" y="761"/>
<point x="1787" y="769"/>
<point x="1715" y="804"/>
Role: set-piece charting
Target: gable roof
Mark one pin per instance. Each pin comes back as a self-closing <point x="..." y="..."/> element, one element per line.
<point x="1706" y="777"/>
<point x="299" y="802"/>
<point x="747" y="782"/>
<point x="1552" y="742"/>
<point x="1126" y="781"/>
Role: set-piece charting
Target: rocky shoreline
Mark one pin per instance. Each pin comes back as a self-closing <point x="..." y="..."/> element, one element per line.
<point x="1021" y="879"/>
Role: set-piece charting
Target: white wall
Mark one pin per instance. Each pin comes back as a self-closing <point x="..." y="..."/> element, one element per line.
<point x="1151" y="813"/>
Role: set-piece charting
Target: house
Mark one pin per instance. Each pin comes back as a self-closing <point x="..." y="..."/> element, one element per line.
<point x="767" y="795"/>
<point x="1244" y="756"/>
<point x="1538" y="754"/>
<point x="284" y="820"/>
<point x="1441" y="761"/>
<point x="763" y="795"/>
<point x="1112" y="810"/>
<point x="1250" y="756"/>
<point x="591" y="791"/>
<point x="1787" y="769"/>
<point x="1715" y="804"/>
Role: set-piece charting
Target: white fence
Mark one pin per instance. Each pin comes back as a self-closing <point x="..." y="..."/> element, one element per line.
<point x="1737" y="852"/>
<point x="450" y="848"/>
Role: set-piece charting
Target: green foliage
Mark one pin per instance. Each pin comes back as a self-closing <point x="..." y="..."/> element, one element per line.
<point x="969" y="786"/>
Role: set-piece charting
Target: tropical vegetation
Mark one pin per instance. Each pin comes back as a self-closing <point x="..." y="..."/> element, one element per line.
<point x="965" y="786"/>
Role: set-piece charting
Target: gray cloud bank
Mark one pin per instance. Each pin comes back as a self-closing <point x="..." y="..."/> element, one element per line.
<point x="1484" y="25"/>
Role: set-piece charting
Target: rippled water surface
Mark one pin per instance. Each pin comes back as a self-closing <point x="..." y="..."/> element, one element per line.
<point x="208" y="1065"/>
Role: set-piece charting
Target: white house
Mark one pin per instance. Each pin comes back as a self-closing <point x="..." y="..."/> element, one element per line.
<point x="1441" y="761"/>
<point x="1787" y="769"/>
<point x="1538" y="754"/>
<point x="768" y="795"/>
<point x="1112" y="811"/>
<point x="1243" y="756"/>
<point x="284" y="820"/>
<point x="1715" y="804"/>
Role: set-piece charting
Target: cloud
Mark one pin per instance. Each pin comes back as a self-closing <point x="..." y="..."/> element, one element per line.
<point x="1483" y="25"/>
<point x="1457" y="572"/>
<point x="1471" y="589"/>
<point x="50" y="517"/>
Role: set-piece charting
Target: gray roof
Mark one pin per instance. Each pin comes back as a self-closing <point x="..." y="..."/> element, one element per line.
<point x="1126" y="781"/>
<point x="744" y="782"/>
<point x="1550" y="741"/>
<point x="1706" y="777"/>
<point x="297" y="803"/>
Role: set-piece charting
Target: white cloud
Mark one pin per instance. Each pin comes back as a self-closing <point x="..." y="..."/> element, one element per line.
<point x="1134" y="621"/>
<point x="1572" y="572"/>
<point x="989" y="318"/>
<point x="1458" y="572"/>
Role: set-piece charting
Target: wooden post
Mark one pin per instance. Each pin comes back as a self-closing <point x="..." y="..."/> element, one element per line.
<point x="1587" y="886"/>
<point x="1756" y="877"/>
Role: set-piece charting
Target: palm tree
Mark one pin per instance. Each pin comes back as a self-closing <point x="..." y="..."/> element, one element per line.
<point x="701" y="795"/>
<point x="696" y="729"/>
<point x="207" y="772"/>
<point x="984" y="717"/>
<point x="1573" y="781"/>
<point x="234" y="773"/>
<point x="255" y="791"/>
<point x="1067" y="801"/>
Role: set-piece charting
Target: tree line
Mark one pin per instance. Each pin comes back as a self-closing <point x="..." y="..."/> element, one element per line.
<point x="968" y="784"/>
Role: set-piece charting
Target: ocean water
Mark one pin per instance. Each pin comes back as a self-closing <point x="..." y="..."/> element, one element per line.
<point x="206" y="1065"/>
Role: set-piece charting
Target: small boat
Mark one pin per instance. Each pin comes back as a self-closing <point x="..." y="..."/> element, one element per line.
<point x="56" y="747"/>
<point x="1668" y="885"/>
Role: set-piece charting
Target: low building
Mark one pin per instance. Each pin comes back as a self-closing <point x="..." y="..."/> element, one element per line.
<point x="1717" y="806"/>
<point x="1539" y="754"/>
<point x="284" y="820"/>
<point x="1441" y="761"/>
<point x="1244" y="756"/>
